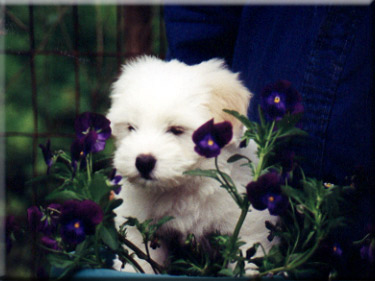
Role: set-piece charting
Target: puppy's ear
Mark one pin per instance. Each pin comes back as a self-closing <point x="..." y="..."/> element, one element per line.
<point x="226" y="92"/>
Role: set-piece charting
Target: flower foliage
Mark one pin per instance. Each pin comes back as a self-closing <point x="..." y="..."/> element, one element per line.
<point x="74" y="225"/>
<point x="308" y="211"/>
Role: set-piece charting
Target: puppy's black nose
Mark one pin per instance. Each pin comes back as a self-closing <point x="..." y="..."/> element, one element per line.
<point x="145" y="163"/>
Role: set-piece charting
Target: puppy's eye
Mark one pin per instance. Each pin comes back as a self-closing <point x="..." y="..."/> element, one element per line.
<point x="131" y="128"/>
<point x="176" y="130"/>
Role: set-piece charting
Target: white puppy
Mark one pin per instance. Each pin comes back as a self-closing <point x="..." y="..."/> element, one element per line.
<point x="156" y="107"/>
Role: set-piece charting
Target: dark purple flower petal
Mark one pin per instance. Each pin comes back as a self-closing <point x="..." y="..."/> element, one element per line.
<point x="49" y="243"/>
<point x="82" y="124"/>
<point x="92" y="130"/>
<point x="54" y="211"/>
<point x="265" y="193"/>
<point x="337" y="250"/>
<point x="207" y="147"/>
<point x="117" y="190"/>
<point x="88" y="121"/>
<point x="210" y="138"/>
<point x="73" y="232"/>
<point x="77" y="150"/>
<point x="78" y="219"/>
<point x="34" y="216"/>
<point x="203" y="130"/>
<point x="90" y="212"/>
<point x="280" y="98"/>
<point x="90" y="143"/>
<point x="255" y="194"/>
<point x="276" y="203"/>
<point x="115" y="181"/>
<point x="223" y="133"/>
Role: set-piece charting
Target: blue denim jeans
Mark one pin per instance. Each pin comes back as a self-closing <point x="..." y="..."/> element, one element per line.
<point x="325" y="51"/>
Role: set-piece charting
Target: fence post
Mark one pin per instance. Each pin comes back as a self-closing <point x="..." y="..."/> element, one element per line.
<point x="138" y="31"/>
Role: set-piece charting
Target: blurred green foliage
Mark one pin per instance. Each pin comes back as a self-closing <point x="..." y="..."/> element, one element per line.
<point x="56" y="88"/>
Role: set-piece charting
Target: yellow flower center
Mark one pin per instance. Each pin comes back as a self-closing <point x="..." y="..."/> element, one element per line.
<point x="328" y="185"/>
<point x="210" y="142"/>
<point x="77" y="225"/>
<point x="277" y="99"/>
<point x="334" y="248"/>
<point x="81" y="153"/>
<point x="271" y="199"/>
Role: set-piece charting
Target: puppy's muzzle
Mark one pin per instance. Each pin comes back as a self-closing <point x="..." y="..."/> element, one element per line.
<point x="145" y="163"/>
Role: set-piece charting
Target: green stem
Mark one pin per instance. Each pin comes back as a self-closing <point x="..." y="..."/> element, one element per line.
<point x="259" y="167"/>
<point x="89" y="166"/>
<point x="71" y="255"/>
<point x="145" y="241"/>
<point x="239" y="224"/>
<point x="97" y="253"/>
<point x="231" y="188"/>
<point x="140" y="253"/>
<point x="234" y="237"/>
<point x="294" y="264"/>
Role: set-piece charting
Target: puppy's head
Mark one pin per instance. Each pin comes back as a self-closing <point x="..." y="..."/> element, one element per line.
<point x="156" y="107"/>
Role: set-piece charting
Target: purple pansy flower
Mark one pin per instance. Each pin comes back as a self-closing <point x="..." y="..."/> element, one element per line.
<point x="210" y="138"/>
<point x="53" y="213"/>
<point x="50" y="243"/>
<point x="337" y="250"/>
<point x="279" y="99"/>
<point x="41" y="222"/>
<point x="265" y="193"/>
<point x="77" y="150"/>
<point x="34" y="217"/>
<point x="78" y="219"/>
<point x="92" y="130"/>
<point x="115" y="180"/>
<point x="47" y="154"/>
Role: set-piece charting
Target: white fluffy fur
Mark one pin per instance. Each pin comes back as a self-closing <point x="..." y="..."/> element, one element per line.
<point x="151" y="96"/>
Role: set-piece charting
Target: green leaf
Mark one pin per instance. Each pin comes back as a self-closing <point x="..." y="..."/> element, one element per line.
<point x="43" y="179"/>
<point x="109" y="237"/>
<point x="64" y="156"/>
<point x="203" y="173"/>
<point x="237" y="157"/>
<point x="113" y="204"/>
<point x="293" y="193"/>
<point x="62" y="170"/>
<point x="163" y="221"/>
<point x="289" y="121"/>
<point x="130" y="221"/>
<point x="98" y="187"/>
<point x="226" y="272"/>
<point x="59" y="261"/>
<point x="63" y="195"/>
<point x="244" y="120"/>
